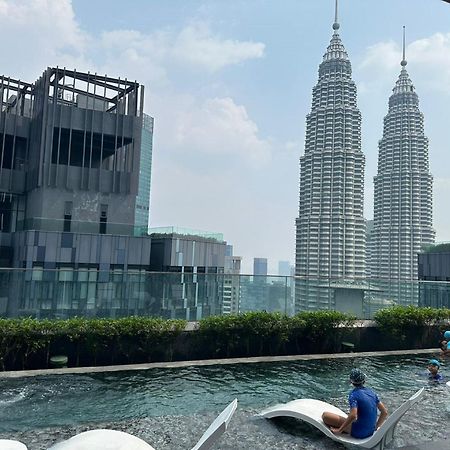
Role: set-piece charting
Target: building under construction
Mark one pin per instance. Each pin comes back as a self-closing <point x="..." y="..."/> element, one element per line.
<point x="70" y="156"/>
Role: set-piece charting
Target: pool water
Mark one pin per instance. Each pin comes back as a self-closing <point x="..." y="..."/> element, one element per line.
<point x="170" y="408"/>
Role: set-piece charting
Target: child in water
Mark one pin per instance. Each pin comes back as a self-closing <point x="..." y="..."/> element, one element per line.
<point x="445" y="344"/>
<point x="433" y="371"/>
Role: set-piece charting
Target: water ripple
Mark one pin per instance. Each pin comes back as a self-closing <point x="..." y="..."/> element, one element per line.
<point x="169" y="408"/>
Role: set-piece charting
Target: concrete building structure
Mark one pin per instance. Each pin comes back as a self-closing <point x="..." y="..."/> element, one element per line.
<point x="70" y="156"/>
<point x="75" y="174"/>
<point x="369" y="246"/>
<point x="232" y="282"/>
<point x="187" y="272"/>
<point x="330" y="228"/>
<point x="434" y="276"/>
<point x="403" y="195"/>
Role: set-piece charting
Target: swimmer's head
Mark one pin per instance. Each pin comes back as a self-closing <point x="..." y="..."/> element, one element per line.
<point x="433" y="366"/>
<point x="357" y="377"/>
<point x="447" y="335"/>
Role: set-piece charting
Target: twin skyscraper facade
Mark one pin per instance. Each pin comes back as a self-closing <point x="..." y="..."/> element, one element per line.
<point x="330" y="228"/>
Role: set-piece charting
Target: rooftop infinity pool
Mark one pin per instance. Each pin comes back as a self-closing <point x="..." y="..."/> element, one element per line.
<point x="170" y="408"/>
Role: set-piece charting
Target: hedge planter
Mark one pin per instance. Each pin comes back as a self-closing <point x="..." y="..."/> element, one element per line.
<point x="30" y="343"/>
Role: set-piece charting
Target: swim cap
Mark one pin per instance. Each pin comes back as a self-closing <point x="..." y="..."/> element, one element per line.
<point x="357" y="376"/>
<point x="434" y="362"/>
<point x="447" y="335"/>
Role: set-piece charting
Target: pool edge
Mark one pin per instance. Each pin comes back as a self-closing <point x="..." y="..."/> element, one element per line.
<point x="206" y="362"/>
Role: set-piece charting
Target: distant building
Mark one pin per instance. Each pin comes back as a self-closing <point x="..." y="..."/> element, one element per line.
<point x="434" y="277"/>
<point x="284" y="268"/>
<point x="369" y="244"/>
<point x="403" y="195"/>
<point x="259" y="266"/>
<point x="145" y="176"/>
<point x="231" y="282"/>
<point x="330" y="228"/>
<point x="192" y="264"/>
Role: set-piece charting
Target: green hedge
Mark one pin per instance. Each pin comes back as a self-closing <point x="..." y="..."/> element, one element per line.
<point x="400" y="318"/>
<point x="263" y="333"/>
<point x="25" y="342"/>
<point x="29" y="343"/>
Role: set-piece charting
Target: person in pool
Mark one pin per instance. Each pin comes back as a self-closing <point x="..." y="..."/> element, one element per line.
<point x="433" y="371"/>
<point x="445" y="344"/>
<point x="364" y="404"/>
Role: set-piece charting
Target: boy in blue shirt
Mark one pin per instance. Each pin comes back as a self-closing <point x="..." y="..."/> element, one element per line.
<point x="364" y="404"/>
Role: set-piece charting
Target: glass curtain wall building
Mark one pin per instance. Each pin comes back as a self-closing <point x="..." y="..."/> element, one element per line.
<point x="145" y="174"/>
<point x="330" y="228"/>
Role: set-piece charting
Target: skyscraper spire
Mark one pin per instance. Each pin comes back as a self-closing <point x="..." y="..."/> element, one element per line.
<point x="404" y="62"/>
<point x="404" y="83"/>
<point x="336" y="23"/>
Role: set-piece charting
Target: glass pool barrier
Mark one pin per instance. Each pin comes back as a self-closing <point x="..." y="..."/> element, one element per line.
<point x="90" y="292"/>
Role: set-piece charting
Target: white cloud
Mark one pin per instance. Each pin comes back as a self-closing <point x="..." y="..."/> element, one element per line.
<point x="40" y="33"/>
<point x="196" y="45"/>
<point x="47" y="32"/>
<point x="212" y="166"/>
<point x="428" y="62"/>
<point x="219" y="126"/>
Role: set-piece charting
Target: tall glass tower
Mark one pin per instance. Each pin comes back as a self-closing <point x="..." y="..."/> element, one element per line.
<point x="403" y="194"/>
<point x="145" y="173"/>
<point x="330" y="229"/>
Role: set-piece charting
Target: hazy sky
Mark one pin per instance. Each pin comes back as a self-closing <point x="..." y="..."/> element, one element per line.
<point x="229" y="84"/>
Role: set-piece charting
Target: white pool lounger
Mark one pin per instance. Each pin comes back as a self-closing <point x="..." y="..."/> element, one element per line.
<point x="118" y="440"/>
<point x="311" y="411"/>
<point x="7" y="444"/>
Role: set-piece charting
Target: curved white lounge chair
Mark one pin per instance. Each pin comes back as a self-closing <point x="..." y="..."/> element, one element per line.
<point x="118" y="440"/>
<point x="311" y="411"/>
<point x="7" y="444"/>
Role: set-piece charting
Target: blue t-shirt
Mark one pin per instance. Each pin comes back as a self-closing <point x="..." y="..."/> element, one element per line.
<point x="366" y="401"/>
<point x="438" y="377"/>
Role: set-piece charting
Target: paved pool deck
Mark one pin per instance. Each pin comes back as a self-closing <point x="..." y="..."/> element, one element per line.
<point x="435" y="445"/>
<point x="210" y="362"/>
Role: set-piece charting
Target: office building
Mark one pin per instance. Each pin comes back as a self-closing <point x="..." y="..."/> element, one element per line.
<point x="145" y="176"/>
<point x="190" y="279"/>
<point x="71" y="146"/>
<point x="434" y="276"/>
<point x="284" y="268"/>
<point x="259" y="266"/>
<point x="403" y="195"/>
<point x="330" y="228"/>
<point x="232" y="282"/>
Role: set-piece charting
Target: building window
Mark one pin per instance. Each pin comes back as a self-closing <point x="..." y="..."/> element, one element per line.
<point x="103" y="218"/>
<point x="67" y="216"/>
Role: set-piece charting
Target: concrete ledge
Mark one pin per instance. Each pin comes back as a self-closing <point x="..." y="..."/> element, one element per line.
<point x="208" y="362"/>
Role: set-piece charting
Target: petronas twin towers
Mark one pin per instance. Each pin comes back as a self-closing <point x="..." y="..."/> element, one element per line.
<point x="330" y="229"/>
